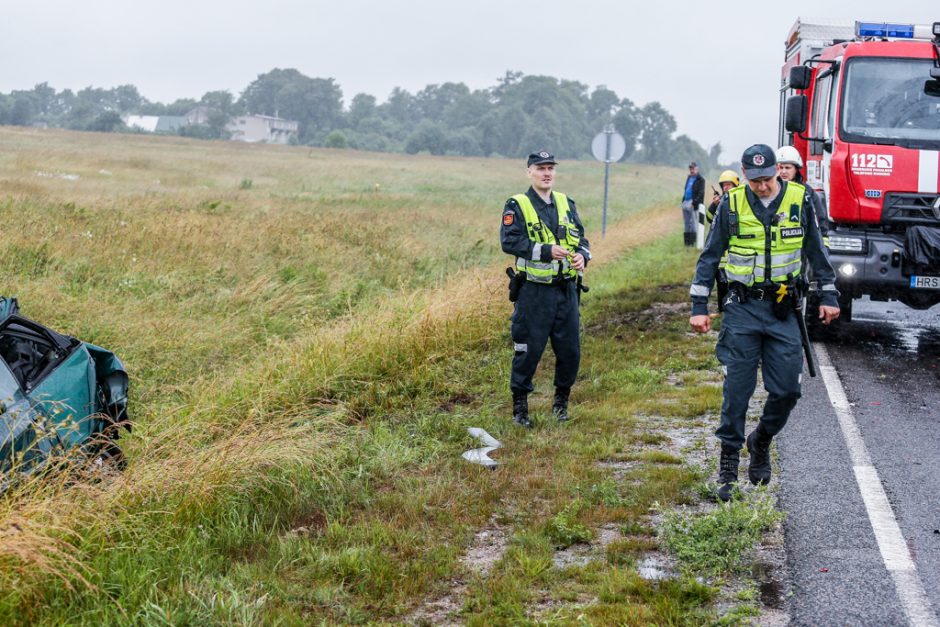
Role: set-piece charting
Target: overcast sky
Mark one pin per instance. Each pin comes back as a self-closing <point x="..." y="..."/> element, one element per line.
<point x="714" y="65"/>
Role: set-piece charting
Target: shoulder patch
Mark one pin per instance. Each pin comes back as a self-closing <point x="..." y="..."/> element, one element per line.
<point x="508" y="218"/>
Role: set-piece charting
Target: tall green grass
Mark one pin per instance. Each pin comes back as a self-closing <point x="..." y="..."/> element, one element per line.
<point x="291" y="346"/>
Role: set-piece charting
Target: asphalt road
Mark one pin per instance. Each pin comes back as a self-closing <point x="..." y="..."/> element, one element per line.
<point x="888" y="360"/>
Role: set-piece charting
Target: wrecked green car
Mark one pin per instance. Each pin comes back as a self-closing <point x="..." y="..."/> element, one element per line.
<point x="58" y="396"/>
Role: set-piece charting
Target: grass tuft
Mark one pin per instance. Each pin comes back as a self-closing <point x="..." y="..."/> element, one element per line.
<point x="715" y="543"/>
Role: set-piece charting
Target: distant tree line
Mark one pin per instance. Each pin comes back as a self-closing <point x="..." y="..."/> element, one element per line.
<point x="519" y="114"/>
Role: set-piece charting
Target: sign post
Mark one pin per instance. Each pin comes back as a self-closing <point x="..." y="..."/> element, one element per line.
<point x="607" y="146"/>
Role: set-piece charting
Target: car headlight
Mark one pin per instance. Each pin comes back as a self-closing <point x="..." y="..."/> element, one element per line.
<point x="843" y="244"/>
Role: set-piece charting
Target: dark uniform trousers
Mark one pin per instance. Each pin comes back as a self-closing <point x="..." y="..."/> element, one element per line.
<point x="545" y="312"/>
<point x="750" y="333"/>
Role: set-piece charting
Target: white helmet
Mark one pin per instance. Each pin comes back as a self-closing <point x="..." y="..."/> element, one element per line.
<point x="788" y="154"/>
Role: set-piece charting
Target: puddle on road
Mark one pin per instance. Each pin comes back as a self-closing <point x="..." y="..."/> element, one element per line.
<point x="887" y="331"/>
<point x="885" y="336"/>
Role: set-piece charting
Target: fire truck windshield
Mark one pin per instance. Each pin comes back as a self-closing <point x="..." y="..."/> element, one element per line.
<point x="884" y="102"/>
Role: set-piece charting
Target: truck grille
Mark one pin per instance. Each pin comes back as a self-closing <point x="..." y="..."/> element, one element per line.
<point x="911" y="208"/>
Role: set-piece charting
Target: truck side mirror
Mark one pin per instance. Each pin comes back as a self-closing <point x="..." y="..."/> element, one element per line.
<point x="795" y="114"/>
<point x="800" y="77"/>
<point x="932" y="88"/>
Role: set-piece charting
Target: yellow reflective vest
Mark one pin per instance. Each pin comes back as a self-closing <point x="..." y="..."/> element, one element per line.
<point x="757" y="253"/>
<point x="544" y="271"/>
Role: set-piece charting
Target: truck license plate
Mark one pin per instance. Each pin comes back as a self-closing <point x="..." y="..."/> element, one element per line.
<point x="925" y="282"/>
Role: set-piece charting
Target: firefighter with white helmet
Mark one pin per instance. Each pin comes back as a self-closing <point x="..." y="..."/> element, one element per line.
<point x="790" y="168"/>
<point x="788" y="155"/>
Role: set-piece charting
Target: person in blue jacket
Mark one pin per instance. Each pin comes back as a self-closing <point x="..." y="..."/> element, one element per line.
<point x="693" y="195"/>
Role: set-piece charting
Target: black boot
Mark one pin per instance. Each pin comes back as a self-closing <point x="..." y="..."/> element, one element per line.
<point x="758" y="447"/>
<point x="690" y="239"/>
<point x="728" y="471"/>
<point x="520" y="410"/>
<point x="560" y="404"/>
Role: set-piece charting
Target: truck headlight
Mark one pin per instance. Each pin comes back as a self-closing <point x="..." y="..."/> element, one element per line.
<point x="848" y="270"/>
<point x="843" y="244"/>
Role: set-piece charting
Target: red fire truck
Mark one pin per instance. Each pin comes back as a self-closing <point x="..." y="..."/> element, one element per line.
<point x="861" y="104"/>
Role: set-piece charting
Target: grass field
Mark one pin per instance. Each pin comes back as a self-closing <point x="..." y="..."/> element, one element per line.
<point x="308" y="335"/>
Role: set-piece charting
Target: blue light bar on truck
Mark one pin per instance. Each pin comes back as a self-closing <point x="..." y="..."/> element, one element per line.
<point x="876" y="29"/>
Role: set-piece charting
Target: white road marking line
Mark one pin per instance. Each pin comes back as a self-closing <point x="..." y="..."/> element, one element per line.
<point x="891" y="543"/>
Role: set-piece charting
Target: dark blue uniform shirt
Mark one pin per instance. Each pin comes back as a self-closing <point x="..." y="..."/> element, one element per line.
<point x="720" y="235"/>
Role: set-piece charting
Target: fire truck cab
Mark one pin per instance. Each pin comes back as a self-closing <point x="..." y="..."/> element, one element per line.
<point x="861" y="104"/>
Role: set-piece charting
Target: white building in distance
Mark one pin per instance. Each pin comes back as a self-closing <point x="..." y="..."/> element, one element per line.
<point x="262" y="129"/>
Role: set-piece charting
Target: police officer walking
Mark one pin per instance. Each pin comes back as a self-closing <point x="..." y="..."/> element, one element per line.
<point x="542" y="230"/>
<point x="769" y="230"/>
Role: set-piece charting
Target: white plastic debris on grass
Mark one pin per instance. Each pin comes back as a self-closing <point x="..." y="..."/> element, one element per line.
<point x="481" y="455"/>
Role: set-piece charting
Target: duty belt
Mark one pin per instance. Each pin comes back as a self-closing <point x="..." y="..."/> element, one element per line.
<point x="763" y="293"/>
<point x="766" y="293"/>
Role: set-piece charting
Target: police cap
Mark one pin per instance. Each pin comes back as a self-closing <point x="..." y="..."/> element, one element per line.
<point x="538" y="158"/>
<point x="759" y="161"/>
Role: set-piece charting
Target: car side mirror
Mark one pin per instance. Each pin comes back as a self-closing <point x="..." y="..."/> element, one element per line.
<point x="795" y="114"/>
<point x="800" y="77"/>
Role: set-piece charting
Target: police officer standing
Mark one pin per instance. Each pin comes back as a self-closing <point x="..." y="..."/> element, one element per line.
<point x="542" y="230"/>
<point x="769" y="230"/>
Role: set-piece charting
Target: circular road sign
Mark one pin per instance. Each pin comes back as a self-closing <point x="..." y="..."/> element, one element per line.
<point x="608" y="147"/>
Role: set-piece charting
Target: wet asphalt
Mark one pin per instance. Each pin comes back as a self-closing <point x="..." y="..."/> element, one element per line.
<point x="888" y="359"/>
